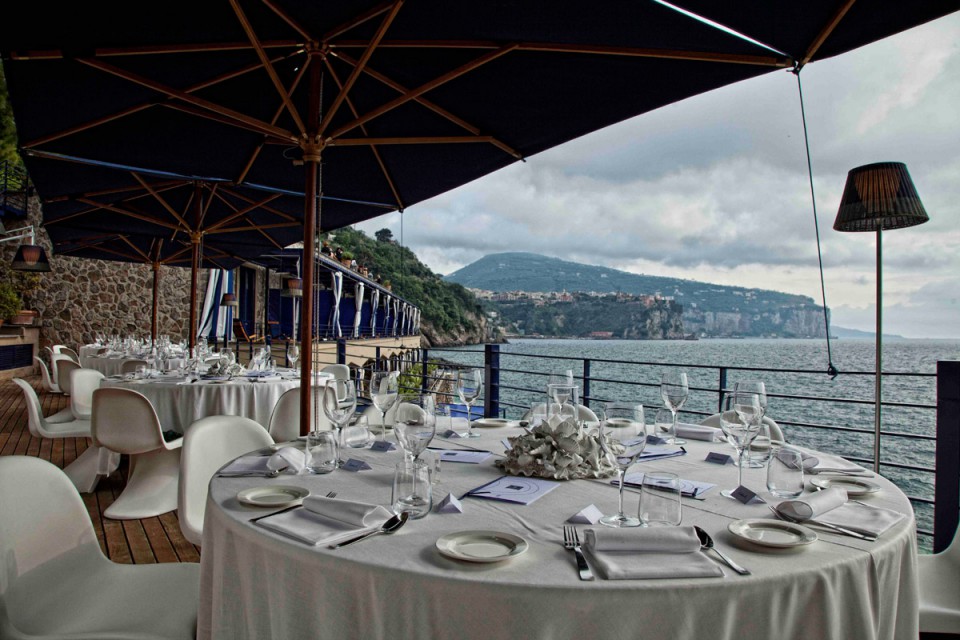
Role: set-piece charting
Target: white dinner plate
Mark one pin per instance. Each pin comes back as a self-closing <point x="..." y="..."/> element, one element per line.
<point x="491" y="423"/>
<point x="481" y="546"/>
<point x="273" y="496"/>
<point x="853" y="486"/>
<point x="772" y="533"/>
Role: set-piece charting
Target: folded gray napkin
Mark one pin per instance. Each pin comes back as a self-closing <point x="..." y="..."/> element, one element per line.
<point x="699" y="432"/>
<point x="649" y="553"/>
<point x="327" y="520"/>
<point x="831" y="506"/>
<point x="247" y="464"/>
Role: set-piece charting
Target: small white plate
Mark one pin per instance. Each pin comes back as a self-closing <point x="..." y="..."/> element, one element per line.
<point x="772" y="533"/>
<point x="491" y="423"/>
<point x="481" y="546"/>
<point x="273" y="496"/>
<point x="853" y="486"/>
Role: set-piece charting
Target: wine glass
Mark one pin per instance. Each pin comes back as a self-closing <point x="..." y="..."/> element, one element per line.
<point x="674" y="391"/>
<point x="737" y="421"/>
<point x="384" y="386"/>
<point x="416" y="423"/>
<point x="339" y="402"/>
<point x="762" y="442"/>
<point x="293" y="354"/>
<point x="623" y="436"/>
<point x="469" y="386"/>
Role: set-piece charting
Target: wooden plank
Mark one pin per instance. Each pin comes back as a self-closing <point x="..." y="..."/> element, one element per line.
<point x="138" y="543"/>
<point x="186" y="551"/>
<point x="163" y="550"/>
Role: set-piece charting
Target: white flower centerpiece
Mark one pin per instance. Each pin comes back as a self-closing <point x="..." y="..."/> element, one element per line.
<point x="559" y="449"/>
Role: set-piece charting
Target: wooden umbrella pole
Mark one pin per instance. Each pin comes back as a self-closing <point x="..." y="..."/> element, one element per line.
<point x="195" y="267"/>
<point x="156" y="296"/>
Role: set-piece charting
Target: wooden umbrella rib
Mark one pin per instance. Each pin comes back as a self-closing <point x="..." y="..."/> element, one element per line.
<point x="203" y="214"/>
<point x="126" y="212"/>
<point x="58" y="54"/>
<point x="357" y="20"/>
<point x="146" y="258"/>
<point x="364" y="58"/>
<point x="265" y="234"/>
<point x="267" y="66"/>
<point x="240" y="213"/>
<point x="188" y="98"/>
<point x="286" y="17"/>
<point x="274" y="225"/>
<point x="354" y="142"/>
<point x="431" y="105"/>
<point x="138" y="192"/>
<point x="433" y="84"/>
<point x="159" y="198"/>
<point x="216" y="117"/>
<point x="248" y="200"/>
<point x="825" y="32"/>
<point x="669" y="54"/>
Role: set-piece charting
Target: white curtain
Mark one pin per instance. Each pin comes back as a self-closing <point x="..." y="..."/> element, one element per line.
<point x="335" y="313"/>
<point x="358" y="291"/>
<point x="374" y="306"/>
<point x="214" y="318"/>
<point x="396" y="314"/>
<point x="387" y="300"/>
<point x="405" y="325"/>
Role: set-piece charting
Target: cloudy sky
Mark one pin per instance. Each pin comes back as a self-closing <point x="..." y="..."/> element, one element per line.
<point x="715" y="188"/>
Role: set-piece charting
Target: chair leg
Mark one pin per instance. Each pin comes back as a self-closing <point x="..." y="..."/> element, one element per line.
<point x="86" y="470"/>
<point x="151" y="486"/>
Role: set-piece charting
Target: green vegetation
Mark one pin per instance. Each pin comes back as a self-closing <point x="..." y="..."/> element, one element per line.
<point x="445" y="306"/>
<point x="9" y="301"/>
<point x="8" y="132"/>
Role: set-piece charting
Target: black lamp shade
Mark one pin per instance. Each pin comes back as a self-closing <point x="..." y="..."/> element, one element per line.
<point x="30" y="257"/>
<point x="229" y="300"/>
<point x="879" y="196"/>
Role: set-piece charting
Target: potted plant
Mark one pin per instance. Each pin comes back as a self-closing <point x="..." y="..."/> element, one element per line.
<point x="9" y="301"/>
<point x="346" y="258"/>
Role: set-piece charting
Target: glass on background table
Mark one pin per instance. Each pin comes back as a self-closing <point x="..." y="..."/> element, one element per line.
<point x="400" y="586"/>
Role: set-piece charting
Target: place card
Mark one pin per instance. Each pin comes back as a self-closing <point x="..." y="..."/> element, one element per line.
<point x="355" y="465"/>
<point x="469" y="457"/>
<point x="688" y="488"/>
<point x="652" y="439"/>
<point x="746" y="496"/>
<point x="588" y="515"/>
<point x="450" y="433"/>
<point x="383" y="445"/>
<point x="450" y="504"/>
<point x="506" y="444"/>
<point x="719" y="458"/>
<point x="514" y="489"/>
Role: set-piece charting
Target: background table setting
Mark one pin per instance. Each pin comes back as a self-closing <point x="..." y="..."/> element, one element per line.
<point x="489" y="559"/>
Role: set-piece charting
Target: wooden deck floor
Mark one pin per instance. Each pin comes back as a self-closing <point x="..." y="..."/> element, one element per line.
<point x="145" y="541"/>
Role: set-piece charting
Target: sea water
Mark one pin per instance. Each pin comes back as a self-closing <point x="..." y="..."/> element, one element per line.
<point x="631" y="369"/>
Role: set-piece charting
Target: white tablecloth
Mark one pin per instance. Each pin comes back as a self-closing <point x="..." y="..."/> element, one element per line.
<point x="180" y="405"/>
<point x="257" y="584"/>
<point x="111" y="365"/>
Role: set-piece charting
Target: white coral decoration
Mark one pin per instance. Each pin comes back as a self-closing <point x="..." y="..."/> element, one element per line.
<point x="557" y="449"/>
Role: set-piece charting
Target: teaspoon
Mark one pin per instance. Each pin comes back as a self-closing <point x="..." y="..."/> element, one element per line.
<point x="388" y="527"/>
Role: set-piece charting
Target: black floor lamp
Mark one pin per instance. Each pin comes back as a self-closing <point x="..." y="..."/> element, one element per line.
<point x="877" y="197"/>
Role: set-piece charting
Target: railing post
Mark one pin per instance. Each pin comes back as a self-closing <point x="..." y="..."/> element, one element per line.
<point x="376" y="354"/>
<point x="341" y="351"/>
<point x="585" y="398"/>
<point x="723" y="385"/>
<point x="946" y="509"/>
<point x="424" y="359"/>
<point x="491" y="377"/>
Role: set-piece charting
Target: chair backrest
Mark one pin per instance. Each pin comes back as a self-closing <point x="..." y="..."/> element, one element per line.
<point x="42" y="517"/>
<point x="35" y="422"/>
<point x="584" y="413"/>
<point x="285" y="419"/>
<point x="239" y="331"/>
<point x="776" y="433"/>
<point x="65" y="365"/>
<point x="130" y="366"/>
<point x="123" y="420"/>
<point x="375" y="418"/>
<point x="48" y="383"/>
<point x="339" y="371"/>
<point x="208" y="444"/>
<point x="83" y="382"/>
<point x="67" y="351"/>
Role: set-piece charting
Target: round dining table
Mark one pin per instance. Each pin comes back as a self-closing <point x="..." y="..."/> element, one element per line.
<point x="111" y="363"/>
<point x="259" y="584"/>
<point x="179" y="402"/>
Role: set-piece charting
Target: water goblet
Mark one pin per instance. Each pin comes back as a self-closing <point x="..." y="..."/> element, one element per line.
<point x="412" y="490"/>
<point x="623" y="436"/>
<point x="469" y="387"/>
<point x="759" y="452"/>
<point x="416" y="423"/>
<point x="674" y="391"/>
<point x="384" y="386"/>
<point x="293" y="354"/>
<point x="664" y="425"/>
<point x="339" y="402"/>
<point x="737" y="424"/>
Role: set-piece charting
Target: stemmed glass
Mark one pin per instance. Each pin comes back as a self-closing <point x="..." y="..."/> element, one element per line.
<point x="740" y="423"/>
<point x="384" y="386"/>
<point x="623" y="436"/>
<point x="416" y="424"/>
<point x="469" y="386"/>
<point x="293" y="354"/>
<point x="674" y="391"/>
<point x="339" y="404"/>
<point x="763" y="438"/>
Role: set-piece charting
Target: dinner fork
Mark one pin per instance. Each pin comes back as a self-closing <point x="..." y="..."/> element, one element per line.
<point x="571" y="541"/>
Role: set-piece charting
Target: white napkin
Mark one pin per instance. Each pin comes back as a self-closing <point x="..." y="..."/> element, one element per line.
<point x="699" y="432"/>
<point x="829" y="463"/>
<point x="293" y="458"/>
<point x="831" y="506"/>
<point x="327" y="520"/>
<point x="649" y="553"/>
<point x="247" y="464"/>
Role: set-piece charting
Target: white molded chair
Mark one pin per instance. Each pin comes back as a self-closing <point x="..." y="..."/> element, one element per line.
<point x="209" y="444"/>
<point x="56" y="582"/>
<point x="67" y="351"/>
<point x="130" y="366"/>
<point x="124" y="421"/>
<point x="940" y="590"/>
<point x="776" y="433"/>
<point x="339" y="371"/>
<point x="584" y="413"/>
<point x="83" y="382"/>
<point x="64" y="366"/>
<point x="86" y="469"/>
<point x="285" y="419"/>
<point x="49" y="383"/>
